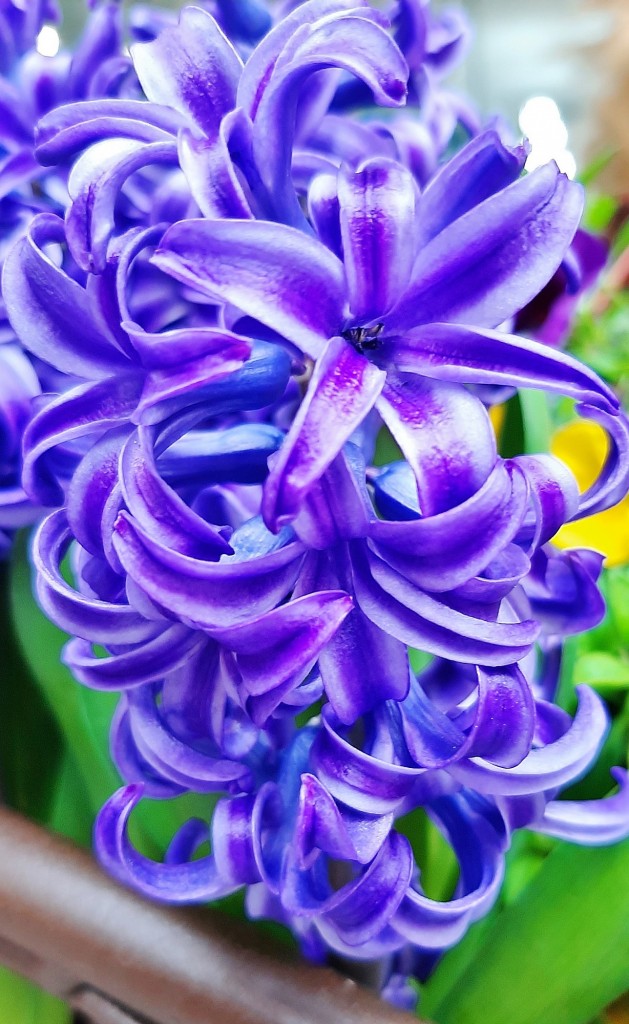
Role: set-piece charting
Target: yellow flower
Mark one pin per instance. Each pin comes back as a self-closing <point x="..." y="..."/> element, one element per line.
<point x="583" y="447"/>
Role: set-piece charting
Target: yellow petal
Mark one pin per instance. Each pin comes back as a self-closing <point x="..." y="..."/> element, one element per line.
<point x="583" y="446"/>
<point x="607" y="532"/>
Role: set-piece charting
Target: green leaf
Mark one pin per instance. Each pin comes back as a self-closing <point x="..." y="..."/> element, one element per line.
<point x="603" y="671"/>
<point x="84" y="718"/>
<point x="71" y="814"/>
<point x="27" y="727"/>
<point x="79" y="713"/>
<point x="557" y="955"/>
<point x="22" y="1003"/>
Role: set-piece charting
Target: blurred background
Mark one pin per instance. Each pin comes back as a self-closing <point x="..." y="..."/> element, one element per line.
<point x="558" y="69"/>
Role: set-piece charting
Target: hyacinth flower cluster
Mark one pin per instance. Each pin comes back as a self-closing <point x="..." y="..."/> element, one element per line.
<point x="267" y="260"/>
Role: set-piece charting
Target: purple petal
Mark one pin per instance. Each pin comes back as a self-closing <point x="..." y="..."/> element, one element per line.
<point x="337" y="508"/>
<point x="494" y="259"/>
<point x="191" y="67"/>
<point x="352" y="41"/>
<point x="91" y="487"/>
<point x="420" y="620"/>
<point x="554" y="496"/>
<point x="158" y="508"/>
<point x="169" y="756"/>
<point x="234" y="838"/>
<point x="260" y="381"/>
<point x="185" y="843"/>
<point x="17" y="170"/>
<point x="342" y="390"/>
<point x="362" y="666"/>
<point x="71" y="127"/>
<point x="211" y="175"/>
<point x="377" y="218"/>
<point x="284" y="643"/>
<point x="146" y="664"/>
<point x="589" y="822"/>
<point x="130" y="764"/>
<point x="432" y="925"/>
<point x="206" y="595"/>
<point x="471" y="356"/>
<point x="443" y="551"/>
<point x="259" y="68"/>
<point x="101" y="40"/>
<point x="365" y="783"/>
<point x="361" y="909"/>
<point x="170" y="349"/>
<point x="501" y="732"/>
<point x="562" y="591"/>
<point x="552" y="766"/>
<point x="445" y="434"/>
<point x="343" y="834"/>
<point x="196" y="881"/>
<point x="613" y="481"/>
<point x="97" y="621"/>
<point x="484" y="167"/>
<point x="86" y="410"/>
<point x="269" y="271"/>
<point x="50" y="312"/>
<point x="94" y="185"/>
<point x="324" y="211"/>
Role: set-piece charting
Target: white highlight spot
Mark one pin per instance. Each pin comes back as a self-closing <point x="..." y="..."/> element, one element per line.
<point x="48" y="41"/>
<point x="541" y="122"/>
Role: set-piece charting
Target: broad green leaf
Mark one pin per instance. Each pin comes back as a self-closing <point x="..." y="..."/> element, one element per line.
<point x="557" y="955"/>
<point x="22" y="1003"/>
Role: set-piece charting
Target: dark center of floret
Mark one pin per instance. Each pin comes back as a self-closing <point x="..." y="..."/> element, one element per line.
<point x="364" y="339"/>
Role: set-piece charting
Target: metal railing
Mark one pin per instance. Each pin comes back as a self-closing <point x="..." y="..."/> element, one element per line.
<point x="117" y="959"/>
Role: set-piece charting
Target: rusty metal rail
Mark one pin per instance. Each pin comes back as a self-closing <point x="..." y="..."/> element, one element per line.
<point x="121" y="960"/>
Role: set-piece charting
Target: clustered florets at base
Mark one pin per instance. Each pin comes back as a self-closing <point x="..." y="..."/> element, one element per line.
<point x="258" y="273"/>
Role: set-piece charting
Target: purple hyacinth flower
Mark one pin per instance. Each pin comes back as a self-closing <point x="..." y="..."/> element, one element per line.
<point x="423" y="284"/>
<point x="233" y="564"/>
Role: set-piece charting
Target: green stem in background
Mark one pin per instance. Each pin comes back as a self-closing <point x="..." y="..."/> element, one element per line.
<point x="536" y="421"/>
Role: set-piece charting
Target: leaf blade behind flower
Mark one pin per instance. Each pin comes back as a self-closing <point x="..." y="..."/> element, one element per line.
<point x="557" y="955"/>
